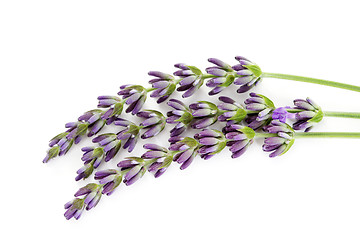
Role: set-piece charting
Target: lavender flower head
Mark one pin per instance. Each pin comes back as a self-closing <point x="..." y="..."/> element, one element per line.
<point x="181" y="116"/>
<point x="282" y="140"/>
<point x="159" y="159"/>
<point x="231" y="111"/>
<point x="211" y="141"/>
<point x="154" y="123"/>
<point x="224" y="76"/>
<point x="134" y="96"/>
<point x="134" y="167"/>
<point x="163" y="84"/>
<point x="309" y="114"/>
<point x="248" y="74"/>
<point x="186" y="150"/>
<point x="191" y="79"/>
<point x="204" y="113"/>
<point x="261" y="109"/>
<point x="110" y="179"/>
<point x="239" y="138"/>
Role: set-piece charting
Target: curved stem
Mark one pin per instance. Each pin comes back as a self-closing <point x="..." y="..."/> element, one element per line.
<point x="327" y="135"/>
<point x="342" y="114"/>
<point x="312" y="80"/>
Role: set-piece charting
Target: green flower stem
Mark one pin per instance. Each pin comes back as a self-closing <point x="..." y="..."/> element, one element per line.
<point x="327" y="135"/>
<point x="150" y="89"/>
<point x="314" y="135"/>
<point x="342" y="114"/>
<point x="312" y="80"/>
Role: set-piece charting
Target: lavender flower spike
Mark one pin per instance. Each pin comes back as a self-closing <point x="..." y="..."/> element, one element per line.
<point x="115" y="105"/>
<point x="134" y="95"/>
<point x="239" y="138"/>
<point x="309" y="114"/>
<point x="248" y="74"/>
<point x="181" y="116"/>
<point x="261" y="107"/>
<point x="163" y="84"/>
<point x="212" y="142"/>
<point x="191" y="79"/>
<point x="223" y="76"/>
<point x="204" y="113"/>
<point x="154" y="123"/>
<point x="282" y="140"/>
<point x="92" y="158"/>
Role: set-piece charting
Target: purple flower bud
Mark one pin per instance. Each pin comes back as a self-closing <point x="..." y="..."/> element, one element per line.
<point x="164" y="85"/>
<point x="223" y="73"/>
<point x="204" y="113"/>
<point x="181" y="116"/>
<point x="212" y="142"/>
<point x="261" y="109"/>
<point x="110" y="178"/>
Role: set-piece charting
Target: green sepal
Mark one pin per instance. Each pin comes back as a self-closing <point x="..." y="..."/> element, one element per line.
<point x="60" y="136"/>
<point x="268" y="102"/>
<point x="318" y="117"/>
<point x="191" y="142"/>
<point x="255" y="69"/>
<point x="82" y="129"/>
<point x="98" y="152"/>
<point x="117" y="181"/>
<point x="239" y="115"/>
<point x="137" y="159"/>
<point x="89" y="170"/>
<point x="53" y="152"/>
<point x="249" y="132"/>
<point x="78" y="203"/>
<point x="186" y="118"/>
<point x="167" y="162"/>
<point x="133" y="129"/>
<point x="171" y="89"/>
<point x="118" y="108"/>
<point x="288" y="146"/>
<point x="211" y="105"/>
<point x="221" y="145"/>
<point x="229" y="80"/>
<point x="195" y="70"/>
<point x="92" y="186"/>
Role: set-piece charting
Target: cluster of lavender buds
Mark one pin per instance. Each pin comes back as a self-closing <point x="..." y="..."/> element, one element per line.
<point x="309" y="114"/>
<point x="211" y="142"/>
<point x="163" y="84"/>
<point x="91" y="196"/>
<point x="232" y="112"/>
<point x="181" y="116"/>
<point x="239" y="138"/>
<point x="262" y="108"/>
<point x="205" y="114"/>
<point x="281" y="139"/>
<point x="246" y="74"/>
<point x="257" y="118"/>
<point x="160" y="159"/>
<point x="134" y="96"/>
<point x="191" y="79"/>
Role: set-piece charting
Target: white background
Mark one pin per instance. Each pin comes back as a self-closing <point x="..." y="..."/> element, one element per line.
<point x="56" y="57"/>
